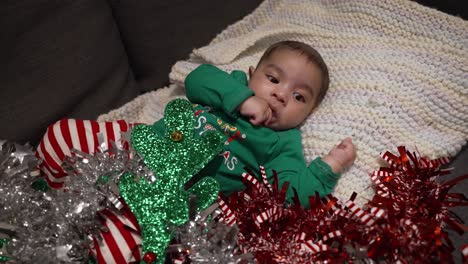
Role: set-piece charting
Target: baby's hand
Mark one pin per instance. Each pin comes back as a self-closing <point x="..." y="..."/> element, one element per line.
<point x="257" y="110"/>
<point x="341" y="155"/>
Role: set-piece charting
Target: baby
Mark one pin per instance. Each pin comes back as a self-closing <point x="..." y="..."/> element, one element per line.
<point x="259" y="118"/>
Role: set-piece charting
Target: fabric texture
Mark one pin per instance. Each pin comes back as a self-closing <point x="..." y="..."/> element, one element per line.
<point x="398" y="76"/>
<point x="154" y="40"/>
<point x="59" y="59"/>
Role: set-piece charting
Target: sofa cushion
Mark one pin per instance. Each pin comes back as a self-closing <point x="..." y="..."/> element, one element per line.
<point x="58" y="59"/>
<point x="158" y="33"/>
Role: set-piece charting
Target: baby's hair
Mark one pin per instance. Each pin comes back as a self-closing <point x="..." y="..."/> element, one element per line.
<point x="312" y="55"/>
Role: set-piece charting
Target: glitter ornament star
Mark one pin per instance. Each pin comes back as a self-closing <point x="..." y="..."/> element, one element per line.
<point x="174" y="156"/>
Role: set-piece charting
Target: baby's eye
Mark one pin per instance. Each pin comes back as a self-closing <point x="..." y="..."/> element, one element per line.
<point x="272" y="79"/>
<point x="299" y="97"/>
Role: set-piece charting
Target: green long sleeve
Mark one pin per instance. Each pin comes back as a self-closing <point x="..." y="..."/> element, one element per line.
<point x="210" y="86"/>
<point x="288" y="161"/>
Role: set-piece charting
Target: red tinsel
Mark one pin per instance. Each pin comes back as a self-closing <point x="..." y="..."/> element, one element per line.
<point x="403" y="222"/>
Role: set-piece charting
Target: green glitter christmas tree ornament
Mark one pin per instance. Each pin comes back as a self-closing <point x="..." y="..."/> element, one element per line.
<point x="174" y="157"/>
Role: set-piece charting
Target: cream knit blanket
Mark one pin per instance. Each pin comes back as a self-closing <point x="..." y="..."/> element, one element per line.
<point x="399" y="76"/>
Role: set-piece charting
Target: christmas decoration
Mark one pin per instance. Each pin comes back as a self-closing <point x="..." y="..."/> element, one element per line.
<point x="204" y="239"/>
<point x="174" y="157"/>
<point x="406" y="221"/>
<point x="403" y="222"/>
<point x="26" y="232"/>
<point x="38" y="224"/>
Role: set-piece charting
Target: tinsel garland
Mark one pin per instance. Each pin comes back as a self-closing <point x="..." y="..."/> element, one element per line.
<point x="404" y="222"/>
<point x="38" y="224"/>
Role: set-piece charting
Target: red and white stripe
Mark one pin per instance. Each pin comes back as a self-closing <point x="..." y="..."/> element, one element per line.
<point x="300" y="237"/>
<point x="313" y="247"/>
<point x="229" y="218"/>
<point x="333" y="234"/>
<point x="390" y="158"/>
<point x="252" y="180"/>
<point x="382" y="173"/>
<point x="67" y="134"/>
<point x="121" y="244"/>
<point x="343" y="213"/>
<point x="271" y="214"/>
<point x="264" y="178"/>
<point x="435" y="163"/>
<point x="366" y="218"/>
<point x="378" y="212"/>
<point x="382" y="189"/>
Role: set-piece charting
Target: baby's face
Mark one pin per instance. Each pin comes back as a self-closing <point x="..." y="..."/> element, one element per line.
<point x="290" y="84"/>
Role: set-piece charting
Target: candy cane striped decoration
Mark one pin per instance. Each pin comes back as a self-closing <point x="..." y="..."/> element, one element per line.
<point x="121" y="243"/>
<point x="382" y="190"/>
<point x="390" y="158"/>
<point x="378" y="212"/>
<point x="343" y="213"/>
<point x="424" y="163"/>
<point x="252" y="180"/>
<point x="438" y="162"/>
<point x="246" y="197"/>
<point x="67" y="134"/>
<point x="271" y="214"/>
<point x="360" y="214"/>
<point x="336" y="233"/>
<point x="313" y="247"/>
<point x="229" y="218"/>
<point x="264" y="178"/>
<point x="299" y="237"/>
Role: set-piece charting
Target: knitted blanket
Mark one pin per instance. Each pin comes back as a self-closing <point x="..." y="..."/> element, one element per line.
<point x="398" y="77"/>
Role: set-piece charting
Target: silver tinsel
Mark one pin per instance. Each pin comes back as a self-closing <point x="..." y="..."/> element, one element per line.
<point x="56" y="226"/>
<point x="205" y="240"/>
<point x="91" y="186"/>
<point x="25" y="214"/>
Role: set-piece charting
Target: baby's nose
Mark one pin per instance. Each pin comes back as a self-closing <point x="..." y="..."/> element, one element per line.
<point x="280" y="96"/>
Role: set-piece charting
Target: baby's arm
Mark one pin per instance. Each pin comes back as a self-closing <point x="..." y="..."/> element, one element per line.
<point x="210" y="86"/>
<point x="289" y="163"/>
<point x="341" y="155"/>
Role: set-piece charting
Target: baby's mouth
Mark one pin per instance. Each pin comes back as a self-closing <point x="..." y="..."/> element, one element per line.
<point x="272" y="118"/>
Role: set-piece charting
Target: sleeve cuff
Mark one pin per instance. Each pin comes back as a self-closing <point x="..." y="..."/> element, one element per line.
<point x="320" y="165"/>
<point x="233" y="103"/>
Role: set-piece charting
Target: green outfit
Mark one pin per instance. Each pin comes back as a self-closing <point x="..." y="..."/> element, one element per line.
<point x="219" y="95"/>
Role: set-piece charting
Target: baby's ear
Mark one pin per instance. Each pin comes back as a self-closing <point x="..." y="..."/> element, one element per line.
<point x="251" y="71"/>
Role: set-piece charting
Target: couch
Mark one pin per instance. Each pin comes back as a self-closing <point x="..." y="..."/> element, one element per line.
<point x="82" y="58"/>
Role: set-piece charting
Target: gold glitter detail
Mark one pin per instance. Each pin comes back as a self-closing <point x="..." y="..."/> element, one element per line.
<point x="176" y="136"/>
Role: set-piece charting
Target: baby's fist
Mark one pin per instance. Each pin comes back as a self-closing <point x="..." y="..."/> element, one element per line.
<point x="256" y="109"/>
<point x="341" y="155"/>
